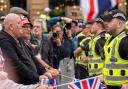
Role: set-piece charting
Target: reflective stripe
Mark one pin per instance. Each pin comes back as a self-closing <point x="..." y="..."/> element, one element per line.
<point x="115" y="41"/>
<point x="95" y="61"/>
<point x="95" y="70"/>
<point x="116" y="66"/>
<point x="113" y="48"/>
<point x="116" y="78"/>
<point x="80" y="62"/>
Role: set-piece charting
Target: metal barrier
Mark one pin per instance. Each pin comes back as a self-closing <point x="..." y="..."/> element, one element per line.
<point x="66" y="69"/>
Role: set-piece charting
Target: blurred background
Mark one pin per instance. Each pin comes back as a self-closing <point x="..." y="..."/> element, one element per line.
<point x="68" y="8"/>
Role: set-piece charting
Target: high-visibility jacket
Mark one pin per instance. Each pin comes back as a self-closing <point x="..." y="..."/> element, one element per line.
<point x="115" y="68"/>
<point x="78" y="58"/>
<point x="95" y="64"/>
<point x="44" y="19"/>
<point x="80" y="37"/>
<point x="80" y="34"/>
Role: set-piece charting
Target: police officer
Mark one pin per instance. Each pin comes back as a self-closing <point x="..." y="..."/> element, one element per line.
<point x="81" y="53"/>
<point x="115" y="71"/>
<point x="95" y="62"/>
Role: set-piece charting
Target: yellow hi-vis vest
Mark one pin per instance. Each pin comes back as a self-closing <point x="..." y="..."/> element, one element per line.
<point x="44" y="19"/>
<point x="78" y="58"/>
<point x="80" y="34"/>
<point x="95" y="63"/>
<point x="115" y="72"/>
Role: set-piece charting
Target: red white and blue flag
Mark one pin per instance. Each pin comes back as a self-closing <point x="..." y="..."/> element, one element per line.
<point x="102" y="86"/>
<point x="53" y="84"/>
<point x="91" y="83"/>
<point x="92" y="8"/>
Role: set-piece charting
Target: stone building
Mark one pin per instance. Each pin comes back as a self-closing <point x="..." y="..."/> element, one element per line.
<point x="35" y="7"/>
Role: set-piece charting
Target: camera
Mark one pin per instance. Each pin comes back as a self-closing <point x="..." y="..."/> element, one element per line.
<point x="55" y="35"/>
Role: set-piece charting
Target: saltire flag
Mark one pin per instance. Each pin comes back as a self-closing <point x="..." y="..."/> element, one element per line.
<point x="53" y="84"/>
<point x="92" y="8"/>
<point x="90" y="83"/>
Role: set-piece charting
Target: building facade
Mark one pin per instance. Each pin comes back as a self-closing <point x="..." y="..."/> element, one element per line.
<point x="35" y="7"/>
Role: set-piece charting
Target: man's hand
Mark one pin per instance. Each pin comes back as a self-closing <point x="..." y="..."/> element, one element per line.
<point x="67" y="20"/>
<point x="50" y="34"/>
<point x="34" y="46"/>
<point x="53" y="71"/>
<point x="46" y="75"/>
<point x="3" y="75"/>
<point x="77" y="51"/>
<point x="84" y="58"/>
<point x="58" y="41"/>
<point x="43" y="77"/>
<point x="49" y="75"/>
<point x="124" y="86"/>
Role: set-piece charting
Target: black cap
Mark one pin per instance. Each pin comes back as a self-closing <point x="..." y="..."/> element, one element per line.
<point x="114" y="14"/>
<point x="89" y="23"/>
<point x="99" y="19"/>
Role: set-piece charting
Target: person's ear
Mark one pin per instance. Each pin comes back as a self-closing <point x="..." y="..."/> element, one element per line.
<point x="120" y="23"/>
<point x="11" y="27"/>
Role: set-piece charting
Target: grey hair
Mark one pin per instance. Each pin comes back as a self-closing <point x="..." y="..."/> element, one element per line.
<point x="39" y="21"/>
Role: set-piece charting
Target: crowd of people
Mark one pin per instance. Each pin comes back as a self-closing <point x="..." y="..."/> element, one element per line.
<point x="30" y="51"/>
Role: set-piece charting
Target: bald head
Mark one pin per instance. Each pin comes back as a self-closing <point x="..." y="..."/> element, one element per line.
<point x="12" y="24"/>
<point x="11" y="19"/>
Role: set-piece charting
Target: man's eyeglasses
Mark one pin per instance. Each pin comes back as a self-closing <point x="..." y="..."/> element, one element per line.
<point x="26" y="27"/>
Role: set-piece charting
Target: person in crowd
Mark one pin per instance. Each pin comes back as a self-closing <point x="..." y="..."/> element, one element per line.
<point x="26" y="39"/>
<point x="28" y="72"/>
<point x="116" y="51"/>
<point x="6" y="83"/>
<point x="68" y="40"/>
<point x="77" y="34"/>
<point x="59" y="52"/>
<point x="75" y="28"/>
<point x="81" y="54"/>
<point x="96" y="45"/>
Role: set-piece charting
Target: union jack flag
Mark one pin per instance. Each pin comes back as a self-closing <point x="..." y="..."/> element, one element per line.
<point x="92" y="8"/>
<point x="91" y="83"/>
<point x="53" y="83"/>
<point x="102" y="86"/>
